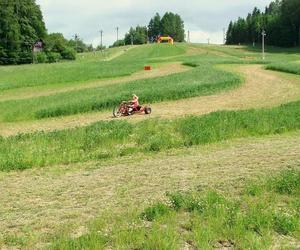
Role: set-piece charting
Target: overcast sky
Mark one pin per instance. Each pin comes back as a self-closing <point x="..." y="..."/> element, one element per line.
<point x="204" y="18"/>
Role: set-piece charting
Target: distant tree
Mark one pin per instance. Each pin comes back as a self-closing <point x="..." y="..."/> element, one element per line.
<point x="154" y="27"/>
<point x="172" y="25"/>
<point x="56" y="42"/>
<point x="281" y="20"/>
<point x="90" y="48"/>
<point x="21" y="25"/>
<point x="291" y="18"/>
<point x="99" y="47"/>
<point x="78" y="45"/>
<point x="137" y="35"/>
<point x="169" y="25"/>
<point x="118" y="43"/>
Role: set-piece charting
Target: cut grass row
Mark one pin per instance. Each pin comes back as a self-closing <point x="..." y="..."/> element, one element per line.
<point x="119" y="138"/>
<point x="204" y="80"/>
<point x="85" y="69"/>
<point x="260" y="217"/>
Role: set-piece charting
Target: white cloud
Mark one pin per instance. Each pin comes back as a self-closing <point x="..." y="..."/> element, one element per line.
<point x="205" y="18"/>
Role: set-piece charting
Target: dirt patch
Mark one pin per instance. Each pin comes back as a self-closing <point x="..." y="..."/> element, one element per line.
<point x="31" y="92"/>
<point x="262" y="88"/>
<point x="40" y="201"/>
<point x="202" y="50"/>
<point x="121" y="52"/>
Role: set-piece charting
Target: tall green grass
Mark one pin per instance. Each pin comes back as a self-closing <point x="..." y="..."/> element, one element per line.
<point x="206" y="220"/>
<point x="119" y="138"/>
<point x="204" y="80"/>
<point x="88" y="67"/>
<point x="288" y="67"/>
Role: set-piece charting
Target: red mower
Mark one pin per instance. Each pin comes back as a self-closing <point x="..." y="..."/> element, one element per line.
<point x="127" y="109"/>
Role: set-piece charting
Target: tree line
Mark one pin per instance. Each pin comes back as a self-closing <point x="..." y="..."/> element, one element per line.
<point x="169" y="25"/>
<point x="280" y="20"/>
<point x="21" y="26"/>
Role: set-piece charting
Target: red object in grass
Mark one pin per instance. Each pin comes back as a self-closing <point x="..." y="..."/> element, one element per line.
<point x="147" y="68"/>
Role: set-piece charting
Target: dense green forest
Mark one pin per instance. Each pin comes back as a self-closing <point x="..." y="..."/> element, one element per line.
<point x="21" y="26"/>
<point x="280" y="20"/>
<point x="169" y="25"/>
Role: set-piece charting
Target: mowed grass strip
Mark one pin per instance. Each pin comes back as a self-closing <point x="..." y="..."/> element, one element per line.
<point x="88" y="67"/>
<point x="120" y="138"/>
<point x="265" y="214"/>
<point x="203" y="80"/>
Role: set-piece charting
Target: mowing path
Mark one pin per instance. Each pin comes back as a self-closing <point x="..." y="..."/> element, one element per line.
<point x="262" y="88"/>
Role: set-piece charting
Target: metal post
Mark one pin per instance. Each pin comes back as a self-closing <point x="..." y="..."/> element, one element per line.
<point x="263" y="44"/>
<point x="147" y="35"/>
<point x="224" y="36"/>
<point x="208" y="41"/>
<point x="76" y="46"/>
<point x="131" y="40"/>
<point x="101" y="36"/>
<point x="117" y="33"/>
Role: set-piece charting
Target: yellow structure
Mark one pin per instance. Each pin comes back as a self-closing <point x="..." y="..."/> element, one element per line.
<point x="167" y="39"/>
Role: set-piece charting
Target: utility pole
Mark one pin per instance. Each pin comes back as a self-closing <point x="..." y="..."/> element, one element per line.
<point x="208" y="41"/>
<point x="263" y="44"/>
<point x="76" y="39"/>
<point x="117" y="33"/>
<point x="148" y="40"/>
<point x="101" y="36"/>
<point x="188" y="38"/>
<point x="131" y="40"/>
<point x="224" y="36"/>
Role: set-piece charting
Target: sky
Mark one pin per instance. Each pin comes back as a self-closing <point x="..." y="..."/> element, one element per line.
<point x="205" y="19"/>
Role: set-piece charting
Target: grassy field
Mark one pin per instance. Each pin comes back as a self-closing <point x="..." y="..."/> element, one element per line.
<point x="120" y="138"/>
<point x="206" y="220"/>
<point x="200" y="81"/>
<point x="193" y="175"/>
<point x="87" y="68"/>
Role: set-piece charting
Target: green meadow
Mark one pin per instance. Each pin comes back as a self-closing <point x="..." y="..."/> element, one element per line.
<point x="208" y="176"/>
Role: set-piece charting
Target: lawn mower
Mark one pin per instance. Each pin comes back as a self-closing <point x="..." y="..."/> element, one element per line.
<point x="127" y="109"/>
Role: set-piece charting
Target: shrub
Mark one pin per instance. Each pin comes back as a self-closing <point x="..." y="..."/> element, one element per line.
<point x="177" y="200"/>
<point x="253" y="189"/>
<point x="288" y="182"/>
<point x="157" y="210"/>
<point x="25" y="57"/>
<point x="284" y="223"/>
<point x="40" y="57"/>
<point x="68" y="54"/>
<point x="53" y="57"/>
